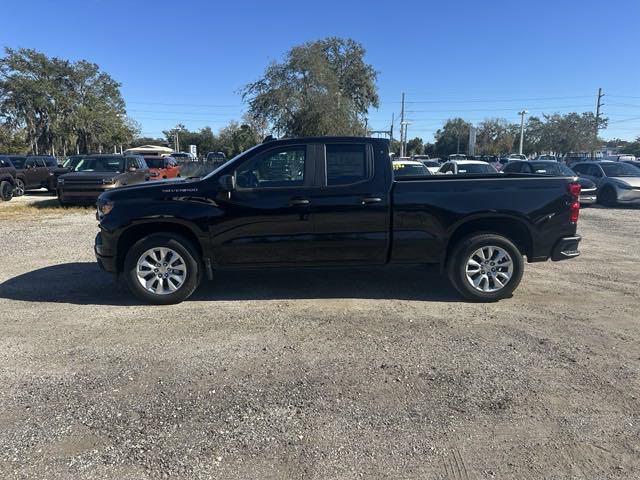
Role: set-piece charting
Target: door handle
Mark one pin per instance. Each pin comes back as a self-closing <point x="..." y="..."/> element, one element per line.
<point x="298" y="202"/>
<point x="368" y="200"/>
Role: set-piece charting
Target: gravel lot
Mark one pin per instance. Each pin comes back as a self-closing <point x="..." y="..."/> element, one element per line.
<point x="372" y="373"/>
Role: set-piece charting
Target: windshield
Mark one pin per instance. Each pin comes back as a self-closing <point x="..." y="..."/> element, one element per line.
<point x="547" y="157"/>
<point x="409" y="170"/>
<point x="620" y="170"/>
<point x="547" y="168"/>
<point x="476" y="168"/>
<point x="431" y="164"/>
<point x="99" y="165"/>
<point x="154" y="162"/>
<point x="18" y="162"/>
<point x="518" y="156"/>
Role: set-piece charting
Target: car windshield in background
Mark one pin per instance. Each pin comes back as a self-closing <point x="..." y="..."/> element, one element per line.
<point x="547" y="157"/>
<point x="552" y="169"/>
<point x="407" y="170"/>
<point x="475" y="168"/>
<point x="99" y="165"/>
<point x="431" y="163"/>
<point x="18" y="162"/>
<point x="154" y="162"/>
<point x="620" y="170"/>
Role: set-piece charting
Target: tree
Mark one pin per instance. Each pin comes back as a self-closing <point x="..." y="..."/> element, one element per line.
<point x="632" y="148"/>
<point x="496" y="136"/>
<point x="453" y="137"/>
<point x="12" y="141"/>
<point x="59" y="104"/>
<point x="415" y="146"/>
<point x="322" y="88"/>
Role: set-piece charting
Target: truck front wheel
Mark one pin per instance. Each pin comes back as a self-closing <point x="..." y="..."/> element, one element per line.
<point x="162" y="269"/>
<point x="485" y="267"/>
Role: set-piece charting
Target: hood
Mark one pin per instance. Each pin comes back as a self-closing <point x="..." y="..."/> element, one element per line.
<point x="170" y="187"/>
<point x="632" y="181"/>
<point x="90" y="176"/>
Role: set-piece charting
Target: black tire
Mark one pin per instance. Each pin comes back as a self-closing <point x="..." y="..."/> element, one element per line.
<point x="19" y="189"/>
<point x="6" y="191"/>
<point x="52" y="185"/>
<point x="607" y="197"/>
<point x="182" y="247"/>
<point x="462" y="253"/>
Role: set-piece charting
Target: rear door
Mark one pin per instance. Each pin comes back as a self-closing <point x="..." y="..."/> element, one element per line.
<point x="268" y="217"/>
<point x="32" y="173"/>
<point x="350" y="205"/>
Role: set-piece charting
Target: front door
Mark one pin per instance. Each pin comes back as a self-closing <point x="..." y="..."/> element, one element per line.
<point x="268" y="217"/>
<point x="33" y="173"/>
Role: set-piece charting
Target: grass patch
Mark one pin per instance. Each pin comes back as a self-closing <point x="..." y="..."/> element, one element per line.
<point x="14" y="210"/>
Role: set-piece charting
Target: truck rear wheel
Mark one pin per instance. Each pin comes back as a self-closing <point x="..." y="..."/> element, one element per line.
<point x="162" y="269"/>
<point x="18" y="191"/>
<point x="6" y="191"/>
<point x="485" y="267"/>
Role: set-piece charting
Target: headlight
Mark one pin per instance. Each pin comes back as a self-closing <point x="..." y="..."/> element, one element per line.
<point x="60" y="181"/>
<point x="107" y="181"/>
<point x="104" y="208"/>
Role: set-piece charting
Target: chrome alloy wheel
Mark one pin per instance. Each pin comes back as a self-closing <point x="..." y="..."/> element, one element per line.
<point x="18" y="190"/>
<point x="489" y="269"/>
<point x="161" y="271"/>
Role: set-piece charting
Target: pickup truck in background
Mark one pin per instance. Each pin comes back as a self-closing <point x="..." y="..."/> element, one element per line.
<point x="333" y="202"/>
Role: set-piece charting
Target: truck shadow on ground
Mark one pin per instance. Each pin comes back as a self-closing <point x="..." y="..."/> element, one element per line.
<point x="85" y="284"/>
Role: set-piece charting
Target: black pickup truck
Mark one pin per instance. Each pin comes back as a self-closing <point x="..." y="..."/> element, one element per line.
<point x="333" y="201"/>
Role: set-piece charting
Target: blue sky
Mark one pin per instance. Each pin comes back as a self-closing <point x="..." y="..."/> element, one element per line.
<point x="186" y="61"/>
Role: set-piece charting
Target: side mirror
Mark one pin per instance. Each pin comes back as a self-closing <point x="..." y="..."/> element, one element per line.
<point x="228" y="183"/>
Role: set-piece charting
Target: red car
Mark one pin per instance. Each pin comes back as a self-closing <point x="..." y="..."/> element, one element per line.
<point x="162" y="167"/>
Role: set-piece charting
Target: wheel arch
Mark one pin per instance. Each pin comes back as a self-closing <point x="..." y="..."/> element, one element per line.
<point x="515" y="229"/>
<point x="138" y="231"/>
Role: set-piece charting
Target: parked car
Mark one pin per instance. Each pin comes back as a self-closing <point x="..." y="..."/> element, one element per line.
<point x="635" y="163"/>
<point x="183" y="157"/>
<point x="432" y="165"/>
<point x="516" y="156"/>
<point x="216" y="158"/>
<point x="466" y="167"/>
<point x="588" y="191"/>
<point x="34" y="172"/>
<point x="409" y="168"/>
<point x="621" y="158"/>
<point x="95" y="174"/>
<point x="551" y="158"/>
<point x="7" y="178"/>
<point x="162" y="167"/>
<point x="332" y="201"/>
<point x="499" y="163"/>
<point x="70" y="162"/>
<point x="573" y="158"/>
<point x="457" y="156"/>
<point x="618" y="182"/>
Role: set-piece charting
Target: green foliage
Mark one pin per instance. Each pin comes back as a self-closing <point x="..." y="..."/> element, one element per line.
<point x="232" y="139"/>
<point x="60" y="104"/>
<point x="415" y="146"/>
<point x="632" y="148"/>
<point x="562" y="133"/>
<point x="12" y="141"/>
<point x="453" y="137"/>
<point x="495" y="136"/>
<point x="322" y="88"/>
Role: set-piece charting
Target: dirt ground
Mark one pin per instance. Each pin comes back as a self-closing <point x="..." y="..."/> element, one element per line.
<point x="318" y="374"/>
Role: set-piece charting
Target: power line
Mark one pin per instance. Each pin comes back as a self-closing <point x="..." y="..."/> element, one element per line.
<point x="186" y="104"/>
<point x="550" y="107"/>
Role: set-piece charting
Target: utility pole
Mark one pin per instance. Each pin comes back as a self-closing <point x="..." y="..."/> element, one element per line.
<point x="597" y="126"/>
<point x="391" y="129"/>
<point x="401" y="127"/>
<point x="522" y="114"/>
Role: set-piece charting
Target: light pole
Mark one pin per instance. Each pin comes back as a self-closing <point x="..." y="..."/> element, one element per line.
<point x="522" y="114"/>
<point x="403" y="142"/>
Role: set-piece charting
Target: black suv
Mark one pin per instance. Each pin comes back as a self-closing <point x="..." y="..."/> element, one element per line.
<point x="35" y="171"/>
<point x="7" y="178"/>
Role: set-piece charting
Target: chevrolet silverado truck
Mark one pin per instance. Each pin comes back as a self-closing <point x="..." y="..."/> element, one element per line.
<point x="333" y="201"/>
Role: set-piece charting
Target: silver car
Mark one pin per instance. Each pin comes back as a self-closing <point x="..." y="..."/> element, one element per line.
<point x="618" y="183"/>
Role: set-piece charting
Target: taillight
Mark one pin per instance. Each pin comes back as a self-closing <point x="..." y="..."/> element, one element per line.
<point x="574" y="208"/>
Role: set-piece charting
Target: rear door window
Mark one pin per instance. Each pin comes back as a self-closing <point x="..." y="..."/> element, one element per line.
<point x="346" y="164"/>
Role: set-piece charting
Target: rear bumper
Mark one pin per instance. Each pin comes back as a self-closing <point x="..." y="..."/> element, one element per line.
<point x="104" y="256"/>
<point x="566" y="248"/>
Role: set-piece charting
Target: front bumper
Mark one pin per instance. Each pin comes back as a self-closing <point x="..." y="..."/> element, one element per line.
<point x="566" y="248"/>
<point x="104" y="256"/>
